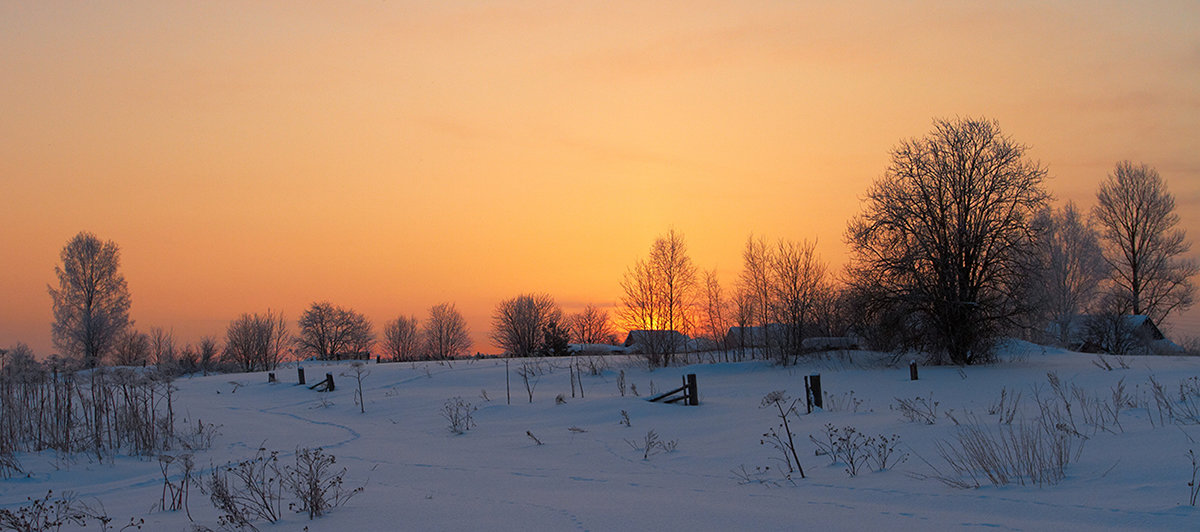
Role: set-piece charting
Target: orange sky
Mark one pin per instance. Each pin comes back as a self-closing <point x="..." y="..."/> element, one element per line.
<point x="388" y="155"/>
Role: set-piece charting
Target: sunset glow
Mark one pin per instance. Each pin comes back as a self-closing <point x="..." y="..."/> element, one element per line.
<point x="390" y="156"/>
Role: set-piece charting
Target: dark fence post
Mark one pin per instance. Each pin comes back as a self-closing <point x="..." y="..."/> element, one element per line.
<point x="300" y="374"/>
<point x="271" y="377"/>
<point x="693" y="392"/>
<point x="912" y="370"/>
<point x="812" y="391"/>
<point x="329" y="379"/>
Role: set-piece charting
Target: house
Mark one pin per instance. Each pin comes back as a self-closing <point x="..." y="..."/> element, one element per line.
<point x="1116" y="334"/>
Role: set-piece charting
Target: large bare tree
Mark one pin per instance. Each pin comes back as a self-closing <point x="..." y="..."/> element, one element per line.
<point x="402" y="339"/>
<point x="1145" y="247"/>
<point x="446" y="334"/>
<point x="519" y="325"/>
<point x="91" y="302"/>
<point x="945" y="232"/>
<point x="257" y="342"/>
<point x="329" y="332"/>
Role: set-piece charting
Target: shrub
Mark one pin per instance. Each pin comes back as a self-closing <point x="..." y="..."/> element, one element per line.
<point x="652" y="445"/>
<point x="457" y="413"/>
<point x="247" y="491"/>
<point x="783" y="440"/>
<point x="50" y="513"/>
<point x="1026" y="453"/>
<point x="918" y="409"/>
<point x="315" y="483"/>
<point x="854" y="449"/>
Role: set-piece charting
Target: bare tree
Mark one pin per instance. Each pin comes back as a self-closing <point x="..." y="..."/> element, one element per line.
<point x="91" y="303"/>
<point x="446" y="334"/>
<point x="660" y="291"/>
<point x="162" y="347"/>
<point x="944" y="233"/>
<point x="744" y="312"/>
<point x="1137" y="219"/>
<point x="1068" y="269"/>
<point x="402" y="339"/>
<point x="208" y="351"/>
<point x="800" y="284"/>
<point x="716" y="309"/>
<point x="328" y="332"/>
<point x="132" y="349"/>
<point x="756" y="280"/>
<point x="257" y="342"/>
<point x="590" y="326"/>
<point x="519" y="324"/>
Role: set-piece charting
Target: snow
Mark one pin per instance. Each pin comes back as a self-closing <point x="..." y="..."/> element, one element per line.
<point x="419" y="476"/>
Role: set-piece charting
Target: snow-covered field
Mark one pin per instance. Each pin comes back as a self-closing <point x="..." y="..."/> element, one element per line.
<point x="417" y="475"/>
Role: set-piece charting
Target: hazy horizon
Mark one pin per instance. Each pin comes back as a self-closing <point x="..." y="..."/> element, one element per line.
<point x="390" y="156"/>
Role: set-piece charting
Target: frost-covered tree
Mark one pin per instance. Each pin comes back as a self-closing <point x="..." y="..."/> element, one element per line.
<point x="257" y="342"/>
<point x="1069" y="269"/>
<point x="329" y="332"/>
<point x="91" y="301"/>
<point x="132" y="349"/>
<point x="519" y="325"/>
<point x="445" y="333"/>
<point x="402" y="338"/>
<point x="1144" y="246"/>
<point x="590" y="326"/>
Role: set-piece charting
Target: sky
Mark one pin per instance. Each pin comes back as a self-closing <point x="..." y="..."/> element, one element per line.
<point x="388" y="156"/>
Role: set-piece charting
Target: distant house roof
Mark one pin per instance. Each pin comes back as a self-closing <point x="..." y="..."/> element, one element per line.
<point x="1078" y="330"/>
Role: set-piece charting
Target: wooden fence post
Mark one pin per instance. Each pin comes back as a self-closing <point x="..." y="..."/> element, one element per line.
<point x="912" y="370"/>
<point x="693" y="391"/>
<point x="300" y="374"/>
<point x="271" y="377"/>
<point x="329" y="379"/>
<point x="812" y="391"/>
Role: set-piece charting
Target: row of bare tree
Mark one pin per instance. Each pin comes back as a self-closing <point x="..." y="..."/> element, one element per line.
<point x="92" y="326"/>
<point x="534" y="325"/>
<point x="956" y="246"/>
<point x="783" y="295"/>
